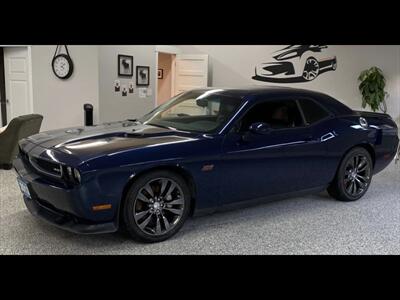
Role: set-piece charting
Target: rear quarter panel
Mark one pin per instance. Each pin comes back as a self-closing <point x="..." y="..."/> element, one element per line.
<point x="386" y="139"/>
<point x="380" y="137"/>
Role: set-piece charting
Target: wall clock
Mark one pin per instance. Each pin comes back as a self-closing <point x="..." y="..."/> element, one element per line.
<point x="62" y="64"/>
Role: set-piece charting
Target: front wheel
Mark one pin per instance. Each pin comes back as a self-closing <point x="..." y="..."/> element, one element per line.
<point x="156" y="206"/>
<point x="353" y="176"/>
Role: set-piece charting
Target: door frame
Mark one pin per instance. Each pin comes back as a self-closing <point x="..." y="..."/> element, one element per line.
<point x="167" y="50"/>
<point x="30" y="77"/>
<point x="3" y="108"/>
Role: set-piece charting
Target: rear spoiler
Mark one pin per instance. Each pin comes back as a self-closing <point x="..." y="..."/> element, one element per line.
<point x="372" y="114"/>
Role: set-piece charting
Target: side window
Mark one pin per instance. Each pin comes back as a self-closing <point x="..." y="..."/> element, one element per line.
<point x="312" y="111"/>
<point x="278" y="114"/>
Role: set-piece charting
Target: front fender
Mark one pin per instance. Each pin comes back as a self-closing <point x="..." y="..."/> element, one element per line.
<point x="111" y="174"/>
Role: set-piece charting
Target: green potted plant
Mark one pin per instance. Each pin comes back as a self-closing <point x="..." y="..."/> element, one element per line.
<point x="372" y="88"/>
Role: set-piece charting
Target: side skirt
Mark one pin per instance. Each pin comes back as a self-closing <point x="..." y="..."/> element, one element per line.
<point x="258" y="201"/>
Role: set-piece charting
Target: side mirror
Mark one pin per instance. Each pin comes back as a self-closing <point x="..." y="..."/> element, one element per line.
<point x="202" y="102"/>
<point x="260" y="128"/>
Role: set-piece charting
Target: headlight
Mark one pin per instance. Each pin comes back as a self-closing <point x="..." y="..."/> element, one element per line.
<point x="77" y="175"/>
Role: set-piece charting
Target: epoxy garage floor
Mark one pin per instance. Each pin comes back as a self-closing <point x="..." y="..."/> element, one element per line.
<point x="314" y="224"/>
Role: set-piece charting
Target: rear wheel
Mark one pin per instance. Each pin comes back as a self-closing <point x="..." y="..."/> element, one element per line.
<point x="156" y="206"/>
<point x="353" y="176"/>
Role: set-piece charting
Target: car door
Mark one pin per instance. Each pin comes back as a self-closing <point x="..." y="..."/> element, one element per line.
<point x="259" y="165"/>
<point x="321" y="136"/>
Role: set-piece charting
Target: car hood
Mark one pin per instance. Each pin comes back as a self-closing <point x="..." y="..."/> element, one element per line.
<point x="85" y="143"/>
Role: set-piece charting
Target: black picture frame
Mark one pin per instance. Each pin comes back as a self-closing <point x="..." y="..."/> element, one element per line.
<point x="140" y="80"/>
<point x="125" y="59"/>
<point x="160" y="73"/>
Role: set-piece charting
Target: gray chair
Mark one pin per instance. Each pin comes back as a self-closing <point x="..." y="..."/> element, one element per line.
<point x="19" y="128"/>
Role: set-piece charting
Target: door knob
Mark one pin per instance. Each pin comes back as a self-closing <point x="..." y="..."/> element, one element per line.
<point x="7" y="101"/>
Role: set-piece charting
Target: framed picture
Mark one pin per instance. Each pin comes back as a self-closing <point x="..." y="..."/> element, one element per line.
<point x="117" y="85"/>
<point x="124" y="91"/>
<point x="131" y="87"/>
<point x="125" y="65"/>
<point x="142" y="75"/>
<point x="160" y="73"/>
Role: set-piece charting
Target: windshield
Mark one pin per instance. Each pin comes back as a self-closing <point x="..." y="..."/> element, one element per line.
<point x="197" y="111"/>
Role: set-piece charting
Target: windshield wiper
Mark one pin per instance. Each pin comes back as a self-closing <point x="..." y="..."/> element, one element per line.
<point x="162" y="126"/>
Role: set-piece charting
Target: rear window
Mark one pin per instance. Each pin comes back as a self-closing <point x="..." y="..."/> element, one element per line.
<point x="313" y="112"/>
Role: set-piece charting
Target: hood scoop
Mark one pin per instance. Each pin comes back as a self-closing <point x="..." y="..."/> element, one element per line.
<point x="107" y="137"/>
<point x="104" y="137"/>
<point x="124" y="124"/>
<point x="75" y="130"/>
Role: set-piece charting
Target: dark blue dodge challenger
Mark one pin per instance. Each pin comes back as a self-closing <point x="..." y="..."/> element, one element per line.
<point x="202" y="151"/>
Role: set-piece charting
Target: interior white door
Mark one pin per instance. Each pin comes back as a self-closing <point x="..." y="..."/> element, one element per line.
<point x="16" y="73"/>
<point x="191" y="72"/>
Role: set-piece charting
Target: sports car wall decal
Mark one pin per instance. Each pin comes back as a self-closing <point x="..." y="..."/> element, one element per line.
<point x="296" y="63"/>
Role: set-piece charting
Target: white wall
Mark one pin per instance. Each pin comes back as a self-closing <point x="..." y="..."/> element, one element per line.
<point x="61" y="101"/>
<point x="113" y="106"/>
<point x="233" y="66"/>
<point x="95" y="69"/>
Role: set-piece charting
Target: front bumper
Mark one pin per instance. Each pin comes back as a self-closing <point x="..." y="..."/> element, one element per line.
<point x="61" y="207"/>
<point x="66" y="221"/>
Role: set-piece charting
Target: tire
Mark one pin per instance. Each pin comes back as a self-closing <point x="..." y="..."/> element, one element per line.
<point x="156" y="206"/>
<point x="311" y="69"/>
<point x="351" y="183"/>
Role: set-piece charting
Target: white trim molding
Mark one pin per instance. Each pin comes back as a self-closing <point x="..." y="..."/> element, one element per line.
<point x="168" y="49"/>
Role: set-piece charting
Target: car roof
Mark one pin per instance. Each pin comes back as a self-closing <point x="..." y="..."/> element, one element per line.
<point x="335" y="106"/>
<point x="259" y="90"/>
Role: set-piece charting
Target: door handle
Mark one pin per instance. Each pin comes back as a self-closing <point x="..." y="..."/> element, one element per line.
<point x="309" y="138"/>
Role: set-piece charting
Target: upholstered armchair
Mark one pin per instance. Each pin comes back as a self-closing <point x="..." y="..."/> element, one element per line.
<point x="19" y="128"/>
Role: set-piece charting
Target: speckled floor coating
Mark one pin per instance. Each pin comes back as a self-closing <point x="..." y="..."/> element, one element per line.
<point x="313" y="224"/>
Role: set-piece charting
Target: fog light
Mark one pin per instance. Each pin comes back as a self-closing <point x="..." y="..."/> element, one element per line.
<point x="77" y="175"/>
